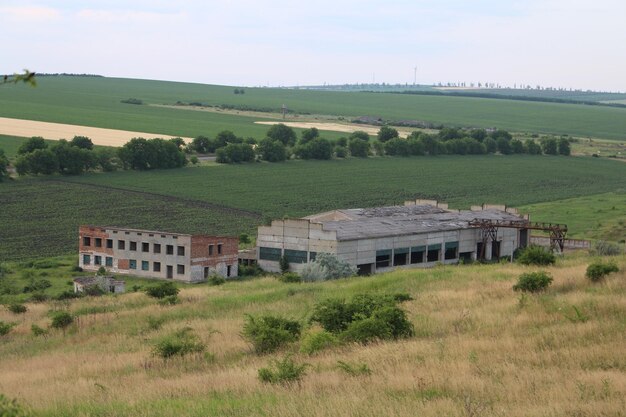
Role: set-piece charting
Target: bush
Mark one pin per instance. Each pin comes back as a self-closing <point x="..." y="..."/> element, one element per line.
<point x="283" y="372"/>
<point x="38" y="331"/>
<point x="170" y="300"/>
<point x="598" y="270"/>
<point x="5" y="328"/>
<point x="132" y="101"/>
<point x="533" y="282"/>
<point x="180" y="343"/>
<point x="603" y="248"/>
<point x="250" y="270"/>
<point x="37" y="285"/>
<point x="289" y="277"/>
<point x="325" y="267"/>
<point x="314" y="342"/>
<point x="366" y="331"/>
<point x="395" y="318"/>
<point x="62" y="319"/>
<point x="16" y="308"/>
<point x="163" y="290"/>
<point x="536" y="255"/>
<point x="268" y="333"/>
<point x="11" y="408"/>
<point x="216" y="280"/>
<point x="283" y="263"/>
<point x="39" y="297"/>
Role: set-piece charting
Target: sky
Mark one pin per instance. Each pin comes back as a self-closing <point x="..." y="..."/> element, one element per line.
<point x="579" y="44"/>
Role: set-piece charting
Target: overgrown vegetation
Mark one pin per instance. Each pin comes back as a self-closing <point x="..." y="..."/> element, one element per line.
<point x="284" y="371"/>
<point x="536" y="255"/>
<point x="269" y="333"/>
<point x="180" y="343"/>
<point x="162" y="290"/>
<point x="597" y="270"/>
<point x="326" y="266"/>
<point x="533" y="282"/>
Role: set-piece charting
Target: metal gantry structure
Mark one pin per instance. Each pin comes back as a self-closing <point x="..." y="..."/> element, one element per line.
<point x="489" y="231"/>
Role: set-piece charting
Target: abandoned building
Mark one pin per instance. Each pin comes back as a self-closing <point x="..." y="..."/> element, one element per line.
<point x="104" y="283"/>
<point x="154" y="254"/>
<point x="419" y="234"/>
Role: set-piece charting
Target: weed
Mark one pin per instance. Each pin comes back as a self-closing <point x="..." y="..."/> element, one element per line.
<point x="16" y="308"/>
<point x="354" y="369"/>
<point x="284" y="372"/>
<point x="179" y="343"/>
<point x="315" y="342"/>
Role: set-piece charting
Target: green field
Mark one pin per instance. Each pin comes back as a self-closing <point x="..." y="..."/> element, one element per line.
<point x="479" y="349"/>
<point x="40" y="216"/>
<point x="95" y="102"/>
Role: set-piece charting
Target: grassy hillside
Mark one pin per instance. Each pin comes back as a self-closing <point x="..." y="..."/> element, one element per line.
<point x="479" y="350"/>
<point x="96" y="102"/>
<point x="39" y="217"/>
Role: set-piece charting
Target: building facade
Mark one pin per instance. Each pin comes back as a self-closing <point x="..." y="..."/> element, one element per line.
<point x="104" y="283"/>
<point x="154" y="254"/>
<point x="421" y="233"/>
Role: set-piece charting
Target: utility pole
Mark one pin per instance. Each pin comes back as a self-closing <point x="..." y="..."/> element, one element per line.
<point x="414" y="76"/>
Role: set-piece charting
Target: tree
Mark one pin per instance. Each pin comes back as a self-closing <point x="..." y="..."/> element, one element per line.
<point x="549" y="146"/>
<point x="36" y="142"/>
<point x="501" y="134"/>
<point x="72" y="160"/>
<point x="478" y="134"/>
<point x="4" y="164"/>
<point x="415" y="145"/>
<point x="142" y="154"/>
<point x="387" y="133"/>
<point x="517" y="146"/>
<point x="504" y="146"/>
<point x="532" y="147"/>
<point x="491" y="145"/>
<point x="564" y="147"/>
<point x="225" y="137"/>
<point x="309" y="134"/>
<point x="359" y="134"/>
<point x="202" y="144"/>
<point x="272" y="150"/>
<point x="359" y="147"/>
<point x="180" y="142"/>
<point x="40" y="161"/>
<point x="82" y="142"/>
<point x="397" y="147"/>
<point x="235" y="153"/>
<point x="282" y="133"/>
<point x="318" y="148"/>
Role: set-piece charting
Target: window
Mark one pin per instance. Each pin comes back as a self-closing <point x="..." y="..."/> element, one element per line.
<point x="132" y="264"/>
<point x="156" y="248"/>
<point x="156" y="266"/>
<point x="109" y="243"/>
<point x="145" y="247"/>
<point x="229" y="270"/>
<point x="180" y="269"/>
<point x="169" y="249"/>
<point x="145" y="265"/>
<point x="180" y="250"/>
<point x="97" y="260"/>
<point x="210" y="250"/>
<point x="121" y="244"/>
<point x="86" y="259"/>
<point x="98" y="242"/>
<point x="295" y="256"/>
<point x="417" y="254"/>
<point x="133" y="245"/>
<point x="219" y="248"/>
<point x="451" y="250"/>
<point x="108" y="261"/>
<point x="312" y="256"/>
<point x="400" y="256"/>
<point x="269" y="254"/>
<point x="433" y="253"/>
<point x="383" y="258"/>
<point x="86" y="241"/>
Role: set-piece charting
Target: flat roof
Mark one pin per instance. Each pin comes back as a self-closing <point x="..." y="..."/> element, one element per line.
<point x="155" y="232"/>
<point x="353" y="224"/>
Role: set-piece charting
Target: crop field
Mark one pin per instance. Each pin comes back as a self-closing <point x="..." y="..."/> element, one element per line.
<point x="559" y="353"/>
<point x="39" y="217"/>
<point x="95" y="102"/>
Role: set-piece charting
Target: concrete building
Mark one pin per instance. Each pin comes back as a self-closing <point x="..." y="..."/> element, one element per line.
<point x="106" y="284"/>
<point x="419" y="234"/>
<point x="154" y="254"/>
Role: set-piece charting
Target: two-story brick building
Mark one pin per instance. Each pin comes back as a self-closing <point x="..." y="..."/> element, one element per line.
<point x="154" y="254"/>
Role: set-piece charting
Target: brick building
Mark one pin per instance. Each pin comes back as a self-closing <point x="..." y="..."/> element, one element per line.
<point x="154" y="254"/>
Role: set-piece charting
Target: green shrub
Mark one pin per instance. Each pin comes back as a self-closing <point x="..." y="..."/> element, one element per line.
<point x="180" y="343"/>
<point x="315" y="342"/>
<point x="39" y="297"/>
<point x="533" y="282"/>
<point x="325" y="267"/>
<point x="216" y="280"/>
<point x="11" y="408"/>
<point x="250" y="270"/>
<point x="283" y="262"/>
<point x="37" y="285"/>
<point x="69" y="295"/>
<point x="165" y="289"/>
<point x="38" y="331"/>
<point x="354" y="369"/>
<point x="62" y="319"/>
<point x="397" y="321"/>
<point x="603" y="248"/>
<point x="596" y="271"/>
<point x="170" y="300"/>
<point x="155" y="323"/>
<point x="16" y="308"/>
<point x="536" y="255"/>
<point x="5" y="328"/>
<point x="289" y="277"/>
<point x="268" y="333"/>
<point x="333" y="314"/>
<point x="366" y="331"/>
<point x="284" y="371"/>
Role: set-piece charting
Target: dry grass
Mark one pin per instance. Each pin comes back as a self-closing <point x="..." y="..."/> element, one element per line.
<point x="480" y="350"/>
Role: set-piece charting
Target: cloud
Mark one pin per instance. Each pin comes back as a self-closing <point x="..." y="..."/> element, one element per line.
<point x="120" y="16"/>
<point x="29" y="13"/>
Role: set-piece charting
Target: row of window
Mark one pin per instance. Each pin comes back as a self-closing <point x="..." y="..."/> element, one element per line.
<point x="132" y="264"/>
<point x="145" y="246"/>
<point x="416" y="255"/>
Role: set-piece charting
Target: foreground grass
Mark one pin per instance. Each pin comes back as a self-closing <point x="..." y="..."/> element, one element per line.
<point x="480" y="349"/>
